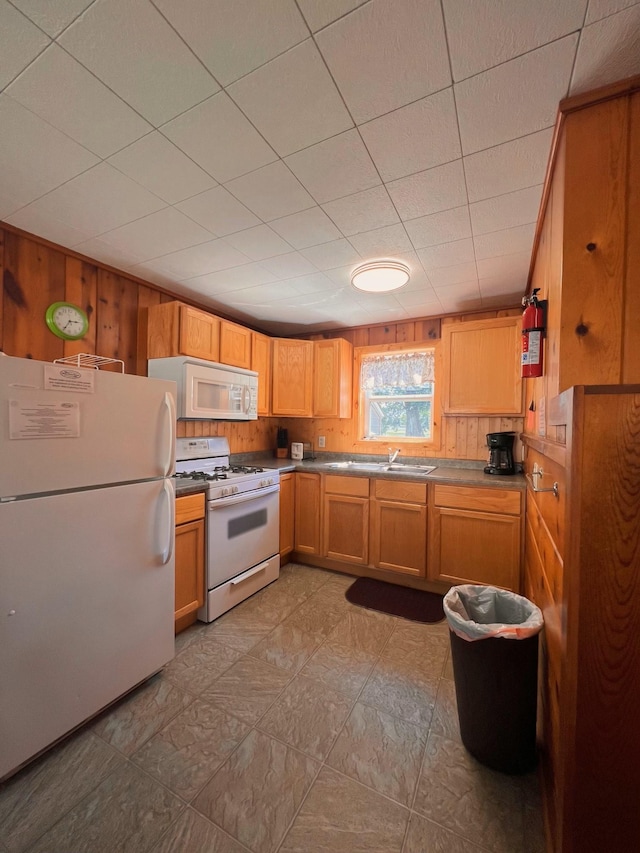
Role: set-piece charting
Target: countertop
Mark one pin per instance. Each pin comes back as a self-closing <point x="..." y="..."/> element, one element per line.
<point x="447" y="474"/>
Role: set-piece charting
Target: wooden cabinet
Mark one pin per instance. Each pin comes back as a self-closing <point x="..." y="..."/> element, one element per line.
<point x="235" y="344"/>
<point x="189" y="551"/>
<point x="399" y="527"/>
<point x="177" y="329"/>
<point x="261" y="362"/>
<point x="292" y="384"/>
<point x="332" y="378"/>
<point x="345" y="529"/>
<point x="287" y="514"/>
<point x="482" y="367"/>
<point x="475" y="536"/>
<point x="307" y="513"/>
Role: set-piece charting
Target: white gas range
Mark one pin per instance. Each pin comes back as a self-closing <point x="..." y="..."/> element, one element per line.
<point x="242" y="522"/>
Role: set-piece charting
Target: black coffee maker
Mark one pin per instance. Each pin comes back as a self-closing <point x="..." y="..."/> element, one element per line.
<point x="500" y="446"/>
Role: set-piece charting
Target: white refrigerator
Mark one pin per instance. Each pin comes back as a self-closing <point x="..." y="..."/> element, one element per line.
<point x="86" y="545"/>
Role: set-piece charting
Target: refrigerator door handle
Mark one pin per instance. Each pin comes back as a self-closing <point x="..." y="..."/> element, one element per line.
<point x="171" y="450"/>
<point x="167" y="553"/>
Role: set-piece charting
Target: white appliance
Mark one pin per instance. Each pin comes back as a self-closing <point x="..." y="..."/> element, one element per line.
<point x="86" y="545"/>
<point x="297" y="450"/>
<point x="209" y="390"/>
<point x="242" y="522"/>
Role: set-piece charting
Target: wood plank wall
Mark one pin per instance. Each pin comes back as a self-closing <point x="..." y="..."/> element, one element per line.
<point x="37" y="273"/>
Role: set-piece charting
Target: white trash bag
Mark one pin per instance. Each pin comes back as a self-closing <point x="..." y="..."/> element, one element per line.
<point x="478" y="612"/>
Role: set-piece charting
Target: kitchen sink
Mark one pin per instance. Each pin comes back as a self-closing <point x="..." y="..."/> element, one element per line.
<point x="397" y="467"/>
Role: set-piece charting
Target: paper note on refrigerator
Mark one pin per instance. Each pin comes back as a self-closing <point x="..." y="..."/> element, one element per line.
<point x="43" y="419"/>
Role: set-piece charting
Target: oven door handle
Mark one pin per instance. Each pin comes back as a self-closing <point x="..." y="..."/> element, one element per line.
<point x="246" y="575"/>
<point x="221" y="503"/>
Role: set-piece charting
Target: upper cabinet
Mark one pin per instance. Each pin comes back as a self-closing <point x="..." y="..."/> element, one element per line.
<point x="292" y="377"/>
<point x="332" y="378"/>
<point x="482" y="367"/>
<point x="235" y="344"/>
<point x="261" y="362"/>
<point x="177" y="329"/>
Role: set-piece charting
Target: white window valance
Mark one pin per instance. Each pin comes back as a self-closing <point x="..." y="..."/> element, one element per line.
<point x="398" y="370"/>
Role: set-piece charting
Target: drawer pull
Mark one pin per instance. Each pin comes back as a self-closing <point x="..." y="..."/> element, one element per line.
<point x="533" y="479"/>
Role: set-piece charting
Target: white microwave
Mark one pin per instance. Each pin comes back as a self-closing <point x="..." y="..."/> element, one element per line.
<point x="207" y="390"/>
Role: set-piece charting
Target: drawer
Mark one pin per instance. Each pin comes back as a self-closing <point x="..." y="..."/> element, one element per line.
<point x="485" y="500"/>
<point x="189" y="508"/>
<point x="354" y="486"/>
<point x="392" y="490"/>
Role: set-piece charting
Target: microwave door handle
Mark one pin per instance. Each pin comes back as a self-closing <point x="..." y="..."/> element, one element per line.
<point x="246" y="399"/>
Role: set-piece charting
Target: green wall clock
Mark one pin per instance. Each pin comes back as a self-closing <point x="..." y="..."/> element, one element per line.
<point x="67" y="321"/>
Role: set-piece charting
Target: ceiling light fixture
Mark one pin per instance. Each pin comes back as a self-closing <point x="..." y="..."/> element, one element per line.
<point x="380" y="276"/>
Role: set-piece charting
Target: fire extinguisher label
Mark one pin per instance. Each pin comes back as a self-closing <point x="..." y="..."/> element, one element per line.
<point x="532" y="353"/>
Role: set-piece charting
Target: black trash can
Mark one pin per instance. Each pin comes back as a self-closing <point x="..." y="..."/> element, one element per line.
<point x="494" y="649"/>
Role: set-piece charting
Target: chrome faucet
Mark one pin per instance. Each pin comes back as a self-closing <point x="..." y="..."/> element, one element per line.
<point x="393" y="454"/>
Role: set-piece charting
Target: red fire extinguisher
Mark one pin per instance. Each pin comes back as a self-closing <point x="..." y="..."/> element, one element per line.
<point x="533" y="335"/>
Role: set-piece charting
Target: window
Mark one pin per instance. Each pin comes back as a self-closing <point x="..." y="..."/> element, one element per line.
<point x="397" y="394"/>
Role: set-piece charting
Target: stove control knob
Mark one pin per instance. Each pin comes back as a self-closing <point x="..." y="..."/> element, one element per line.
<point x="235" y="490"/>
<point x="225" y="492"/>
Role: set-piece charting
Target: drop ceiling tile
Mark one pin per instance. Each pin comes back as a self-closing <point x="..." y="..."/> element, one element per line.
<point x="158" y="233"/>
<point x="419" y="279"/>
<point x="375" y="302"/>
<point x="511" y="166"/>
<point x="52" y="17"/>
<point x="233" y="38"/>
<point x="198" y="260"/>
<point x="442" y="227"/>
<point x="599" y="9"/>
<point x="505" y="266"/>
<point x="456" y="274"/>
<point x="271" y="192"/>
<point x="516" y="98"/>
<point x="362" y="211"/>
<point x="21" y="42"/>
<point x="440" y="188"/>
<point x="507" y="242"/>
<point x="507" y="287"/>
<point x="159" y="166"/>
<point x="447" y="255"/>
<point x="220" y="139"/>
<point x="328" y="256"/>
<point x="48" y="227"/>
<point x="292" y="100"/>
<point x="35" y="157"/>
<point x="219" y="212"/>
<point x="307" y="228"/>
<point x="130" y="47"/>
<point x="97" y="249"/>
<point x="459" y="304"/>
<point x="259" y="243"/>
<point x="414" y="138"/>
<point x="262" y="293"/>
<point x="314" y="284"/>
<point x="457" y="291"/>
<point x="94" y="116"/>
<point x="413" y="299"/>
<point x="499" y="31"/>
<point x="289" y="266"/>
<point x="609" y="51"/>
<point x="382" y="241"/>
<point x="121" y="200"/>
<point x="319" y="13"/>
<point x="387" y="54"/>
<point x="229" y="280"/>
<point x="335" y="168"/>
<point x="506" y="211"/>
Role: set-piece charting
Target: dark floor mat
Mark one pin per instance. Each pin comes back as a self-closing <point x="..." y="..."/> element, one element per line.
<point x="396" y="600"/>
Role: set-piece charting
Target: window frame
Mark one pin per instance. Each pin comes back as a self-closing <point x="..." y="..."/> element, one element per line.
<point x="380" y="445"/>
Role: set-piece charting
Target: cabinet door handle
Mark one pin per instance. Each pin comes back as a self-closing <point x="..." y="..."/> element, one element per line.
<point x="533" y="479"/>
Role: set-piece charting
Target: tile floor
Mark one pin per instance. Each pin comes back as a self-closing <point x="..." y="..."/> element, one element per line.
<point x="294" y="723"/>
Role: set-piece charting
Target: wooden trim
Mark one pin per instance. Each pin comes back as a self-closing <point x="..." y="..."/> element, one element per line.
<point x="361" y="571"/>
<point x="596" y="96"/>
<point x="556" y="452"/>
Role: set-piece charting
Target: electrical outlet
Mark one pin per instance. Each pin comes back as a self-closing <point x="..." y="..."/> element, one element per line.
<point x="320" y="441"/>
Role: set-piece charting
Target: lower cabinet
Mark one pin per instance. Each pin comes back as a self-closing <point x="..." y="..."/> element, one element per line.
<point x="307" y="513"/>
<point x="399" y="527"/>
<point x="475" y="536"/>
<point x="189" y="551"/>
<point x="345" y="529"/>
<point x="287" y="514"/>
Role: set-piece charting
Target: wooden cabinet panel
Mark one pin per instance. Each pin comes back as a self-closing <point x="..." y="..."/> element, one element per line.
<point x="261" y="362"/>
<point x="189" y="508"/>
<point x="189" y="594"/>
<point x="346" y="528"/>
<point x="400" y="490"/>
<point x="292" y="377"/>
<point x="482" y="367"/>
<point x="235" y="345"/>
<point x="399" y="536"/>
<point x="355" y="486"/>
<point x="485" y="500"/>
<point x="287" y="513"/>
<point x="474" y="547"/>
<point x="332" y="378"/>
<point x="307" y="514"/>
<point x="177" y="329"/>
